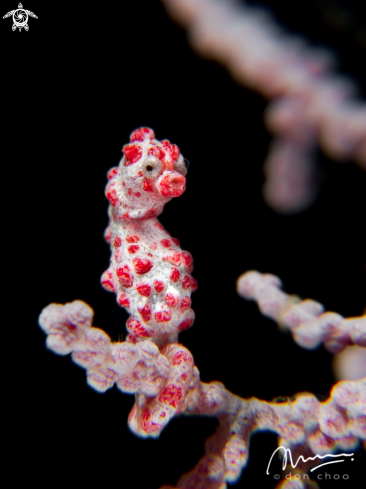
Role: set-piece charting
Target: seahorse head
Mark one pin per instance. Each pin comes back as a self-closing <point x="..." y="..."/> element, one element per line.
<point x="149" y="175"/>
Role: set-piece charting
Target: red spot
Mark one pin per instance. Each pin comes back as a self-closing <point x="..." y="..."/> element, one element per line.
<point x="176" y="241"/>
<point x="124" y="276"/>
<point x="137" y="194"/>
<point x="162" y="316"/>
<point x="132" y="153"/>
<point x="117" y="242"/>
<point x="185" y="304"/>
<point x="187" y="323"/>
<point x="107" y="281"/>
<point x="118" y="255"/>
<point x="143" y="289"/>
<point x="146" y="424"/>
<point x="133" y="248"/>
<point x="145" y="312"/>
<point x="140" y="174"/>
<point x="162" y="415"/>
<point x="147" y="186"/>
<point x="172" y="150"/>
<point x="108" y="235"/>
<point x="136" y="328"/>
<point x="174" y="276"/>
<point x="159" y="286"/>
<point x="182" y="357"/>
<point x="111" y="194"/>
<point x="141" y="134"/>
<point x="188" y="261"/>
<point x="174" y="258"/>
<point x="171" y="300"/>
<point x="166" y="243"/>
<point x="158" y="152"/>
<point x="149" y="254"/>
<point x="194" y="284"/>
<point x="123" y="300"/>
<point x="153" y="246"/>
<point x="142" y="265"/>
<point x="132" y="239"/>
<point x="131" y="338"/>
<point x="112" y="173"/>
<point x="171" y="395"/>
<point x="186" y="282"/>
<point x="129" y="191"/>
<point x="184" y="377"/>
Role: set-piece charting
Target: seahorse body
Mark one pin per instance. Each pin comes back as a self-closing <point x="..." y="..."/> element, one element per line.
<point x="149" y="272"/>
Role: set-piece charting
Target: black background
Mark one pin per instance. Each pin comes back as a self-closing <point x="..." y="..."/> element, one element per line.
<point x="74" y="87"/>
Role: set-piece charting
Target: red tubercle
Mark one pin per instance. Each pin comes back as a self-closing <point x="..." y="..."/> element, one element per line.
<point x="147" y="185"/>
<point x="136" y="328"/>
<point x="187" y="261"/>
<point x="174" y="258"/>
<point x="108" y="235"/>
<point x="132" y="153"/>
<point x="125" y="276"/>
<point x="158" y="152"/>
<point x="146" y="424"/>
<point x="112" y="173"/>
<point x="194" y="284"/>
<point x="182" y="357"/>
<point x="187" y="323"/>
<point x="141" y="134"/>
<point x="142" y="265"/>
<point x="123" y="300"/>
<point x="183" y="377"/>
<point x="130" y="338"/>
<point x="111" y="194"/>
<point x="143" y="289"/>
<point x="172" y="150"/>
<point x="175" y="241"/>
<point x="166" y="243"/>
<point x="171" y="395"/>
<point x="159" y="286"/>
<point x="140" y="174"/>
<point x="185" y="304"/>
<point x="137" y="194"/>
<point x="118" y="255"/>
<point x="153" y="246"/>
<point x="162" y="316"/>
<point x="171" y="300"/>
<point x="133" y="249"/>
<point x="117" y="242"/>
<point x="159" y="226"/>
<point x="145" y="312"/>
<point x="129" y="191"/>
<point x="107" y="281"/>
<point x="174" y="275"/>
<point x="132" y="239"/>
<point x="186" y="282"/>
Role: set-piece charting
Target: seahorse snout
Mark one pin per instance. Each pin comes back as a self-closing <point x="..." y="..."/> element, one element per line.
<point x="172" y="185"/>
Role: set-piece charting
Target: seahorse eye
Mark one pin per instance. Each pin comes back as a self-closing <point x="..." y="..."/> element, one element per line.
<point x="151" y="167"/>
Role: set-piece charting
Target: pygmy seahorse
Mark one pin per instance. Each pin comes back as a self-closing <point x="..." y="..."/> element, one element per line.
<point x="149" y="272"/>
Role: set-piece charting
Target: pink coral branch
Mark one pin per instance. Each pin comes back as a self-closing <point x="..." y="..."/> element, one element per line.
<point x="309" y="104"/>
<point x="309" y="324"/>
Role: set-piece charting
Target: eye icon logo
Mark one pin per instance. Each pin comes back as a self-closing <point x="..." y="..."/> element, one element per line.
<point x="20" y="17"/>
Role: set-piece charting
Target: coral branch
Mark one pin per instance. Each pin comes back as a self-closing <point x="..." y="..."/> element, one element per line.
<point x="310" y="103"/>
<point x="309" y="324"/>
